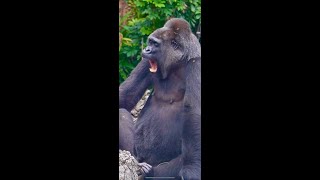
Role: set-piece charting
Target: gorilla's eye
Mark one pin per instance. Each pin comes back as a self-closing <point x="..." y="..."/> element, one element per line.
<point x="175" y="45"/>
<point x="152" y="42"/>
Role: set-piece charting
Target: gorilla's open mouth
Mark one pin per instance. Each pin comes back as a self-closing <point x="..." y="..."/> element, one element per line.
<point x="153" y="65"/>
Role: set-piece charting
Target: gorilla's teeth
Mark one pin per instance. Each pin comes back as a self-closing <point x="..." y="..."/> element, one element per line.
<point x="152" y="70"/>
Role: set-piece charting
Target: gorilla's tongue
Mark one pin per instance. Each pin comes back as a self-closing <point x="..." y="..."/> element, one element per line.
<point x="153" y="65"/>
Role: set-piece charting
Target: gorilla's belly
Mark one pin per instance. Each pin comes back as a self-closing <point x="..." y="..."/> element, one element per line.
<point x="158" y="133"/>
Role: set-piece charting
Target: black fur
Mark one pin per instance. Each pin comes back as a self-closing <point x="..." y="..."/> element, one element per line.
<point x="167" y="134"/>
<point x="125" y="130"/>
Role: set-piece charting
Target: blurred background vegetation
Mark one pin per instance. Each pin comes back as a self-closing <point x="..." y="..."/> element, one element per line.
<point x="139" y="18"/>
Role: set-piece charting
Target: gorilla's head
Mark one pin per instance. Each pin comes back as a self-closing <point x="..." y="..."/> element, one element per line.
<point x="170" y="46"/>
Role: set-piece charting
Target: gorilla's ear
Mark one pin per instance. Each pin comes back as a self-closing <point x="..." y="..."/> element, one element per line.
<point x="194" y="48"/>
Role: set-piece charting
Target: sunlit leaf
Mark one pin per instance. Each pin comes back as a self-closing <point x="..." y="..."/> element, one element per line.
<point x="193" y="9"/>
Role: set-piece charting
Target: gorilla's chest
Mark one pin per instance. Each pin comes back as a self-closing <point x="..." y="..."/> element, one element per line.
<point x="158" y="131"/>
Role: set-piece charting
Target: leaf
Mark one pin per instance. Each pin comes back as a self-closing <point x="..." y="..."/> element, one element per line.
<point x="160" y="5"/>
<point x="126" y="27"/>
<point x="145" y="31"/>
<point x="146" y="11"/>
<point x="122" y="74"/>
<point x="193" y="9"/>
<point x="127" y="39"/>
<point x="140" y="3"/>
<point x="192" y="23"/>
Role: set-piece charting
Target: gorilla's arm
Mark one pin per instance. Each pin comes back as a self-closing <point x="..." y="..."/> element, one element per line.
<point x="191" y="148"/>
<point x="191" y="137"/>
<point x="132" y="89"/>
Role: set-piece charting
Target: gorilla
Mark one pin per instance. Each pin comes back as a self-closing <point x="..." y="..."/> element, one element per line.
<point x="166" y="139"/>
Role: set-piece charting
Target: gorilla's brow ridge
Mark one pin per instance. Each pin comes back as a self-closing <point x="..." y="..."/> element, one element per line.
<point x="152" y="38"/>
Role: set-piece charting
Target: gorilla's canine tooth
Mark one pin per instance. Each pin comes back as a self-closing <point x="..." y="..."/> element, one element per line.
<point x="152" y="70"/>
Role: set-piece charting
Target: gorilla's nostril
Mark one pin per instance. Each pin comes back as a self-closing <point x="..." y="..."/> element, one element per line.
<point x="147" y="50"/>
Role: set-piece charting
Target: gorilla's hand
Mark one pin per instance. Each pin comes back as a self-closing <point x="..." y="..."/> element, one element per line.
<point x="145" y="167"/>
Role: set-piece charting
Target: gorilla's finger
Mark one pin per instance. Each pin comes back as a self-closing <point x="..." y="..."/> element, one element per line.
<point x="145" y="170"/>
<point x="148" y="165"/>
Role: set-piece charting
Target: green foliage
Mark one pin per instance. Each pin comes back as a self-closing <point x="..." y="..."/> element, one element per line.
<point x="143" y="18"/>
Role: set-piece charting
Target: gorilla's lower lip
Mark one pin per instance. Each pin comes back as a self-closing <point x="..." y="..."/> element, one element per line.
<point x="153" y="65"/>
